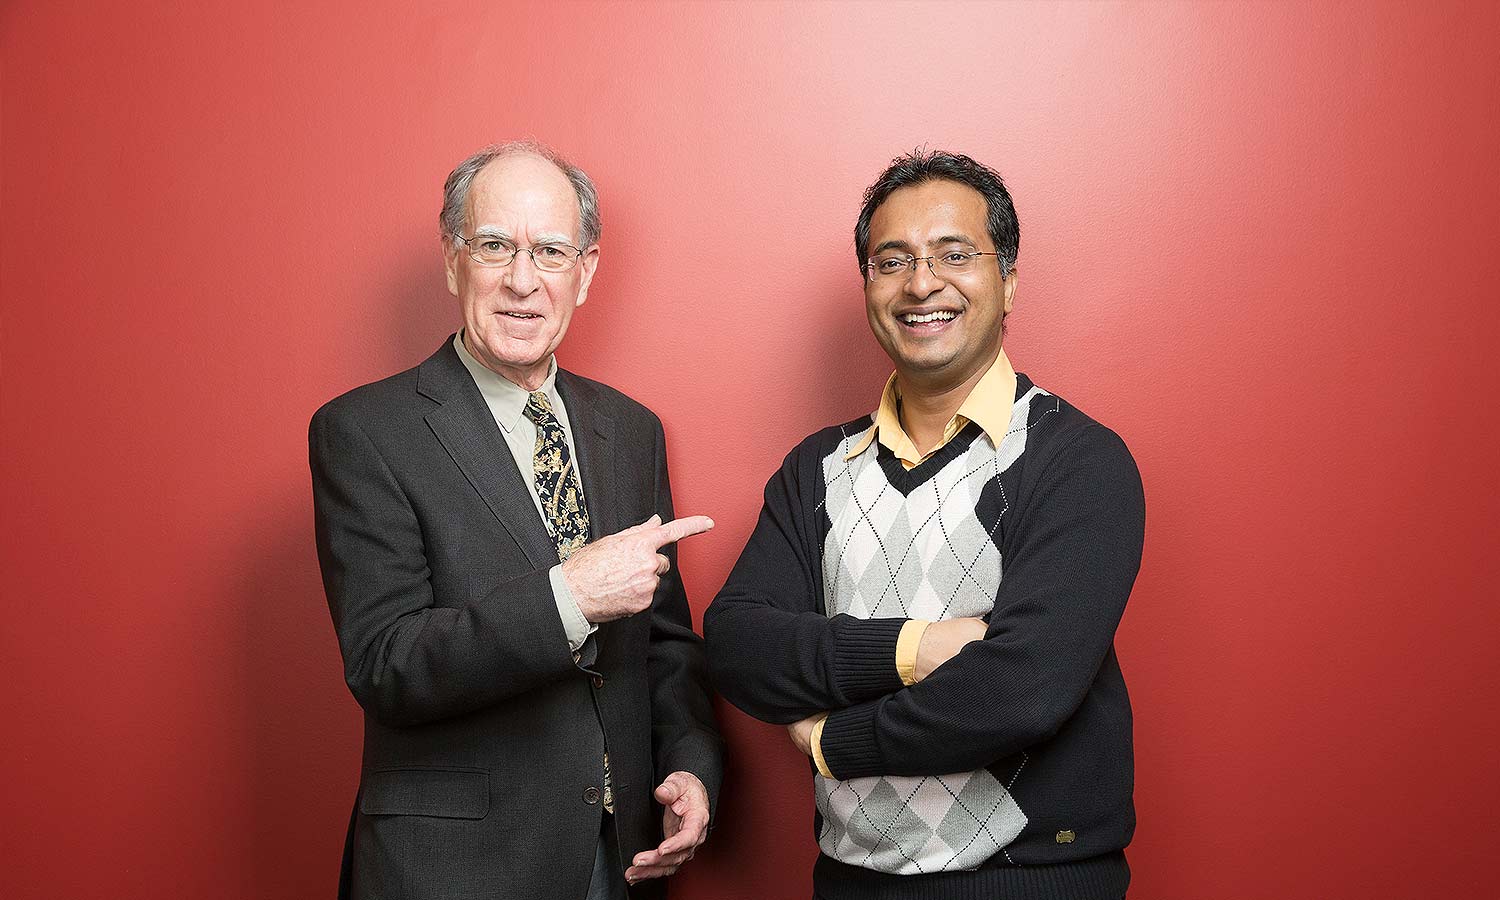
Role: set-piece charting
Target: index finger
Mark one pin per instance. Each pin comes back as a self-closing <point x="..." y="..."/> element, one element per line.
<point x="677" y="529"/>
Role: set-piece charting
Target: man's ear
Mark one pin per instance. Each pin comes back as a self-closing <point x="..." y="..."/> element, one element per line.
<point x="451" y="250"/>
<point x="589" y="262"/>
<point x="1010" y="292"/>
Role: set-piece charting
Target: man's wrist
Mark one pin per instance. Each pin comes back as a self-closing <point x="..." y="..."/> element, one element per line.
<point x="575" y="625"/>
<point x="908" y="645"/>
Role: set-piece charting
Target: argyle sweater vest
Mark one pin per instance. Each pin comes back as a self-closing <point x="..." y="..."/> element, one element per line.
<point x="920" y="544"/>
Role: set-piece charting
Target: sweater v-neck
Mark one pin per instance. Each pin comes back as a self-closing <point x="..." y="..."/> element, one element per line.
<point x="907" y="480"/>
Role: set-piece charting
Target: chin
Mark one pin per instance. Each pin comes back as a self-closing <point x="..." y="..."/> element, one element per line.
<point x="923" y="361"/>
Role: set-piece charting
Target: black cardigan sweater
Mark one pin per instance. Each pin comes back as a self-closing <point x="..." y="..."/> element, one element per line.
<point x="1043" y="690"/>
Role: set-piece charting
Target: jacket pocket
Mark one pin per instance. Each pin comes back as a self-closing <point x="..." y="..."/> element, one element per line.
<point x="444" y="793"/>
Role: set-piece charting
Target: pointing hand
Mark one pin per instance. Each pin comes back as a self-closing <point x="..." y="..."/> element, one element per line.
<point x="616" y="576"/>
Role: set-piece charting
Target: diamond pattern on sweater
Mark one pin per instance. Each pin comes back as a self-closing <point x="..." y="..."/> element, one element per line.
<point x="913" y="825"/>
<point x="885" y="550"/>
<point x="922" y="555"/>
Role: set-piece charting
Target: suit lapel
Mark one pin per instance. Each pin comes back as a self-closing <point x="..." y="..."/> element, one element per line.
<point x="592" y="432"/>
<point x="467" y="430"/>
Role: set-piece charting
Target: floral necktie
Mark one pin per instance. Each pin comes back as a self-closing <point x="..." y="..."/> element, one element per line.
<point x="556" y="479"/>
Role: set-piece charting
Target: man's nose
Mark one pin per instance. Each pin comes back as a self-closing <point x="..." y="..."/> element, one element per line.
<point x="924" y="280"/>
<point x="521" y="276"/>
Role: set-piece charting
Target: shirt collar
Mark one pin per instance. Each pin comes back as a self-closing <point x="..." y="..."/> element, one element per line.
<point x="505" y="398"/>
<point x="988" y="404"/>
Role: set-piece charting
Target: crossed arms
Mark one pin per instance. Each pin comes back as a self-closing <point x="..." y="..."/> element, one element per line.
<point x="1071" y="553"/>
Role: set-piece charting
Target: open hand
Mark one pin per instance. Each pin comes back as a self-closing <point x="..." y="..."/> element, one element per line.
<point x="684" y="824"/>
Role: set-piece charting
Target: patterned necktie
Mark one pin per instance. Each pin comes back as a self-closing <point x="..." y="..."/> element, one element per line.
<point x="556" y="479"/>
<point x="557" y="488"/>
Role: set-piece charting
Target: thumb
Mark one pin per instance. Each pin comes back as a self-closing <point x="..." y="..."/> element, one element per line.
<point x="667" y="792"/>
<point x="652" y="522"/>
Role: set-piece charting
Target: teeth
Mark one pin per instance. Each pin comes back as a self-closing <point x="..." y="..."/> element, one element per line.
<point x="941" y="315"/>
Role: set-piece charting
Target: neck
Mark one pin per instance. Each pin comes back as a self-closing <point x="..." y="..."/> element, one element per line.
<point x="528" y="378"/>
<point x="928" y="404"/>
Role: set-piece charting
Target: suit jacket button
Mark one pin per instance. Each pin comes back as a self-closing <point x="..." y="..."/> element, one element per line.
<point x="591" y="795"/>
<point x="598" y="681"/>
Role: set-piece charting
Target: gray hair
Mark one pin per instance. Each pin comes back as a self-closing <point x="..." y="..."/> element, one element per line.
<point x="454" y="218"/>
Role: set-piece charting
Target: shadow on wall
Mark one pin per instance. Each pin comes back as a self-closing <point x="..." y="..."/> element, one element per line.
<point x="849" y="367"/>
<point x="419" y="310"/>
<point x="304" y="728"/>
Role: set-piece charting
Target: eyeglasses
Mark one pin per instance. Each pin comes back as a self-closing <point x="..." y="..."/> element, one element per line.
<point x="493" y="251"/>
<point x="901" y="265"/>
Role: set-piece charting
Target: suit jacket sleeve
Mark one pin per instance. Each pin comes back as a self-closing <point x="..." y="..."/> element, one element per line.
<point x="775" y="654"/>
<point x="408" y="660"/>
<point x="684" y="736"/>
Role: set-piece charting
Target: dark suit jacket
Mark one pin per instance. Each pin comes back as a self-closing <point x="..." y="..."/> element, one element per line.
<point x="483" y="736"/>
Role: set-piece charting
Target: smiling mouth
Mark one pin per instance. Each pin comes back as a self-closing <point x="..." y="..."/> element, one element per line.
<point x="520" y="315"/>
<point x="934" y="319"/>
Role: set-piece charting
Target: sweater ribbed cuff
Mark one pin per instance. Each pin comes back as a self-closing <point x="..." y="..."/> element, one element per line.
<point x="864" y="656"/>
<point x="848" y="742"/>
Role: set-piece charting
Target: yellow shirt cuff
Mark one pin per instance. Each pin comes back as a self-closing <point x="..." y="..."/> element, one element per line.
<point x="817" y="748"/>
<point x="907" y="644"/>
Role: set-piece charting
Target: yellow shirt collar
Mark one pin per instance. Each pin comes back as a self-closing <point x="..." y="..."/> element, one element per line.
<point x="988" y="404"/>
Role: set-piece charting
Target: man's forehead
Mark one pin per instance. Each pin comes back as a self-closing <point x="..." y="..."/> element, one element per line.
<point x="523" y="164"/>
<point x="930" y="211"/>
<point x="522" y="184"/>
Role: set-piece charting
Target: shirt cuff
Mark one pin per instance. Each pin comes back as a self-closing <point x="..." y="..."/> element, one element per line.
<point x="575" y="626"/>
<point x="907" y="644"/>
<point x="817" y="748"/>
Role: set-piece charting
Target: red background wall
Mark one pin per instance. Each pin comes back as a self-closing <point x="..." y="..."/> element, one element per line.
<point x="1258" y="242"/>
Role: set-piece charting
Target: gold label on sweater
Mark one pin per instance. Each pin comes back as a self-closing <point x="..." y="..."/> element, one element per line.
<point x="1065" y="837"/>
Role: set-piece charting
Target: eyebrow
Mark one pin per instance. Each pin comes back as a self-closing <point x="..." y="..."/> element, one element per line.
<point x="903" y="245"/>
<point x="890" y="245"/>
<point x="545" y="237"/>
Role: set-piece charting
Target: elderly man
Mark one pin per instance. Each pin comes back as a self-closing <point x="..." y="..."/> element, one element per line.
<point x="930" y="597"/>
<point x="496" y="537"/>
